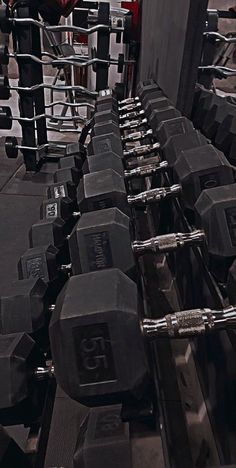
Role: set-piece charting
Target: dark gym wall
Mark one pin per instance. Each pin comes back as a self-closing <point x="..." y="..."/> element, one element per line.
<point x="171" y="46"/>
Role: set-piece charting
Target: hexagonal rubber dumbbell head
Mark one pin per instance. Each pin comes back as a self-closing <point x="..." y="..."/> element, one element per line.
<point x="18" y="356"/>
<point x="100" y="190"/>
<point x="101" y="239"/>
<point x="175" y="126"/>
<point x="216" y="213"/>
<point x="22" y="307"/>
<point x="201" y="168"/>
<point x="181" y="142"/>
<point x="62" y="190"/>
<point x="46" y="232"/>
<point x="96" y="341"/>
<point x="105" y="143"/>
<point x="106" y="437"/>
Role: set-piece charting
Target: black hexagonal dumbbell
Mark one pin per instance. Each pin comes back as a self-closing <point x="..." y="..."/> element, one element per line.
<point x="106" y="360"/>
<point x="231" y="281"/>
<point x="201" y="105"/>
<point x="155" y="105"/>
<point x="107" y="100"/>
<point x="109" y="121"/>
<point x="216" y="213"/>
<point x="106" y="437"/>
<point x="111" y="142"/>
<point x="50" y="232"/>
<point x="105" y="189"/>
<point x="93" y="325"/>
<point x="103" y="239"/>
<point x="226" y="136"/>
<point x="201" y="168"/>
<point x="58" y="216"/>
<point x="177" y="143"/>
<point x="135" y="169"/>
<point x="62" y="189"/>
<point x="94" y="243"/>
<point x="70" y="168"/>
<point x="11" y="453"/>
<point x="150" y="97"/>
<point x="43" y="262"/>
<point x="220" y="109"/>
<point x="157" y="110"/>
<point x="182" y="136"/>
<point x="63" y="208"/>
<point x="21" y="362"/>
<point x="24" y="307"/>
<point x="103" y="230"/>
<point x="108" y="146"/>
<point x="57" y="212"/>
<point x="169" y="152"/>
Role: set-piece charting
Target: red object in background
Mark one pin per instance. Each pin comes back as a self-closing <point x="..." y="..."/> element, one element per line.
<point x="66" y="6"/>
<point x="135" y="9"/>
<point x="81" y="38"/>
<point x="63" y="7"/>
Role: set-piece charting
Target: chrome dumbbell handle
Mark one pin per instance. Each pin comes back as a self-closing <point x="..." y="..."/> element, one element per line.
<point x="154" y="195"/>
<point x="190" y="323"/>
<point x="132" y="115"/>
<point x="143" y="150"/>
<point x="129" y="101"/>
<point x="133" y="124"/>
<point x="147" y="170"/>
<point x="168" y="242"/>
<point x="130" y="107"/>
<point x="136" y="136"/>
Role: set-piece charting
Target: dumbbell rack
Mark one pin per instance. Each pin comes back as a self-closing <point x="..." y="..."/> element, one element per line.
<point x="210" y="51"/>
<point x="27" y="41"/>
<point x="168" y="396"/>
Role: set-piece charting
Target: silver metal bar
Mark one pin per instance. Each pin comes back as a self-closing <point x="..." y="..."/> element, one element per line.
<point x="146" y="170"/>
<point x="169" y="242"/>
<point x="220" y="37"/>
<point x="70" y="104"/>
<point x="137" y="136"/>
<point x="155" y="195"/>
<point x="190" y="323"/>
<point x="70" y="60"/>
<point x="80" y="89"/>
<point x="133" y="124"/>
<point x="49" y="116"/>
<point x="66" y="28"/>
<point x="141" y="150"/>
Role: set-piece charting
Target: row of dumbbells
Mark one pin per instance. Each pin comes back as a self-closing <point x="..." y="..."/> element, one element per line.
<point x="41" y="271"/>
<point x="97" y="310"/>
<point x="111" y="294"/>
<point x="215" y="116"/>
<point x="30" y="296"/>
